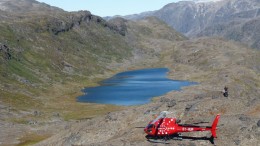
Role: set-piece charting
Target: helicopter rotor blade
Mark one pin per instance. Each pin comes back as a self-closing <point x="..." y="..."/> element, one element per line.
<point x="200" y="123"/>
<point x="162" y="115"/>
<point x="140" y="127"/>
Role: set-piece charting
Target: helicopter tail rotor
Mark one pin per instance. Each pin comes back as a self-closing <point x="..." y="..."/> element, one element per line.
<point x="214" y="126"/>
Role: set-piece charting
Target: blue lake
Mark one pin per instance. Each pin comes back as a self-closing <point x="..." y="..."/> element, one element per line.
<point x="132" y="87"/>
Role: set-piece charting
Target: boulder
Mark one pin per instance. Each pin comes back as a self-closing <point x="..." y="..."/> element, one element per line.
<point x="164" y="99"/>
<point x="258" y="123"/>
<point x="172" y="103"/>
<point x="244" y="118"/>
<point x="237" y="142"/>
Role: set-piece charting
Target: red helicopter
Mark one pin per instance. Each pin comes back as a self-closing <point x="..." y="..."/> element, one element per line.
<point x="168" y="128"/>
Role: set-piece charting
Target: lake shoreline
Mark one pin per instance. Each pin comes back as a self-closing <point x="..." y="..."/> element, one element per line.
<point x="135" y="87"/>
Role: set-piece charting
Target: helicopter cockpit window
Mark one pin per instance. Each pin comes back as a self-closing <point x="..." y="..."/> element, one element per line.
<point x="150" y="127"/>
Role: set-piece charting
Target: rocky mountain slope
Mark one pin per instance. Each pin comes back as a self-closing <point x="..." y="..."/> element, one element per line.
<point x="233" y="19"/>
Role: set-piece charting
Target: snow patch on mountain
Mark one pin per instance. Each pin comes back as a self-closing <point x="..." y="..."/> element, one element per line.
<point x="203" y="1"/>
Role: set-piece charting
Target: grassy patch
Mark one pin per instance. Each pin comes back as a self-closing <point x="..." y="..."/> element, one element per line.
<point x="18" y="69"/>
<point x="69" y="109"/>
<point x="7" y="35"/>
<point x="80" y="111"/>
<point x="31" y="139"/>
<point x="19" y="101"/>
<point x="156" y="98"/>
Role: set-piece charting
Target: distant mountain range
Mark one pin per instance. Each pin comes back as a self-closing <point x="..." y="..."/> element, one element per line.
<point x="237" y="20"/>
<point x="203" y="1"/>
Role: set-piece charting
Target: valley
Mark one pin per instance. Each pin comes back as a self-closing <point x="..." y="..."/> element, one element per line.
<point x="48" y="55"/>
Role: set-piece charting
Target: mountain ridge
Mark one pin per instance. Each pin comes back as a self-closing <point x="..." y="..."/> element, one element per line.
<point x="25" y="6"/>
<point x="211" y="19"/>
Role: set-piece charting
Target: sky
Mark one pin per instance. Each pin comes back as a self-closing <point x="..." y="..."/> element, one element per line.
<point x="109" y="7"/>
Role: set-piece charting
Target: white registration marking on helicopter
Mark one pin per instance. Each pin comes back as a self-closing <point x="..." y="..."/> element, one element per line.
<point x="187" y="129"/>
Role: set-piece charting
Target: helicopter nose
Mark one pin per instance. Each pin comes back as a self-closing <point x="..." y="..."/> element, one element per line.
<point x="145" y="130"/>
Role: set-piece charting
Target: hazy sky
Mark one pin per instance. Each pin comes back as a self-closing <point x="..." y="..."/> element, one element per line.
<point x="109" y="7"/>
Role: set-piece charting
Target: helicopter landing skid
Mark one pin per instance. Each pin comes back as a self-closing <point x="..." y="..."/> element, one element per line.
<point x="163" y="139"/>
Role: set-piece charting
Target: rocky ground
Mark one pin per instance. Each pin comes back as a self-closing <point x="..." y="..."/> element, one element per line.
<point x="124" y="128"/>
<point x="214" y="63"/>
